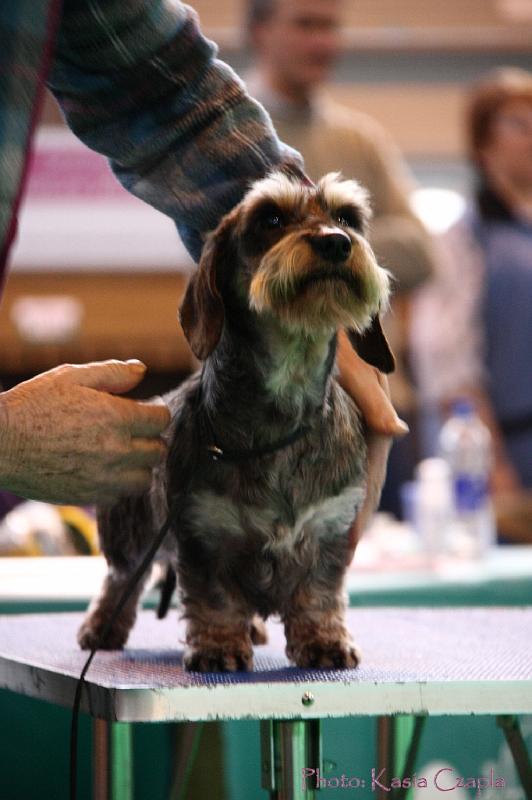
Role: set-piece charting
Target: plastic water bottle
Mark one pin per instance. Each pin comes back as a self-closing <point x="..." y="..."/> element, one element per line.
<point x="433" y="506"/>
<point x="465" y="443"/>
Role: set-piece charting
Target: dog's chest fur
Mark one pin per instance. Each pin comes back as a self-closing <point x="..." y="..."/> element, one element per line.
<point x="283" y="527"/>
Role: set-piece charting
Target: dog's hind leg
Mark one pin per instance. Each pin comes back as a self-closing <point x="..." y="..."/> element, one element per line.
<point x="101" y="609"/>
<point x="125" y="533"/>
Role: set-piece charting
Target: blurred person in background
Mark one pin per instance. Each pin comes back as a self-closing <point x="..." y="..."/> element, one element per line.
<point x="295" y="45"/>
<point x="472" y="332"/>
<point x="140" y="84"/>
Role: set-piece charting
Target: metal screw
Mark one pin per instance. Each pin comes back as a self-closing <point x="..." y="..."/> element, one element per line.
<point x="307" y="699"/>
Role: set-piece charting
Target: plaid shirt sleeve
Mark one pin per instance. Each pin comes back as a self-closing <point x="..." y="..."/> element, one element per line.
<point x="27" y="31"/>
<point x="138" y="82"/>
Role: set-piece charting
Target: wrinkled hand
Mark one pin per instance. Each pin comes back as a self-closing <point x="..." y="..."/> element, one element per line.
<point x="64" y="437"/>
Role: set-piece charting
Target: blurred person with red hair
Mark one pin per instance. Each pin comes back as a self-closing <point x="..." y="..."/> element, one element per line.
<point x="472" y="333"/>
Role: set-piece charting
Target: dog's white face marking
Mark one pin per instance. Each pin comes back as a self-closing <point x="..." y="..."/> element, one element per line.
<point x="338" y="193"/>
<point x="332" y="192"/>
<point x="278" y="188"/>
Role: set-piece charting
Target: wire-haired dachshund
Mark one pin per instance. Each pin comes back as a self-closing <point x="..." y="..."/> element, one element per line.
<point x="266" y="465"/>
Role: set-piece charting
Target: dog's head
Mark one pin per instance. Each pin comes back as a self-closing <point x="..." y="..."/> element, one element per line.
<point x="296" y="252"/>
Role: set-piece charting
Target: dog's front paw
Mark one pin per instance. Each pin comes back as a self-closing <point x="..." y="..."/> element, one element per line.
<point x="326" y="655"/>
<point x="214" y="659"/>
<point x="90" y="636"/>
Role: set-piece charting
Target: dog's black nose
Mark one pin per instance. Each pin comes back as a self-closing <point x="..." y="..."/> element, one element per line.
<point x="333" y="247"/>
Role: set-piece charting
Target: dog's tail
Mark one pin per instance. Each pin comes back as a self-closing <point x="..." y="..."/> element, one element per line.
<point x="167" y="589"/>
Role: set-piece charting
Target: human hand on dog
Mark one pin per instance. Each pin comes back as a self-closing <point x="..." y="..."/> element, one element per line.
<point x="369" y="389"/>
<point x="64" y="437"/>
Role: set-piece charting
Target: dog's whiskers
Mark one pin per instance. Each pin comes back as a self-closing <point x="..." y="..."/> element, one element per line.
<point x="326" y="274"/>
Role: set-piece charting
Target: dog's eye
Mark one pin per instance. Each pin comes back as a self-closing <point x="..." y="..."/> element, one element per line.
<point x="348" y="218"/>
<point x="274" y="221"/>
<point x="271" y="217"/>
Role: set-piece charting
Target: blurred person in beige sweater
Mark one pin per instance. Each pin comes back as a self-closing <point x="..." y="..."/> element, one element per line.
<point x="296" y="44"/>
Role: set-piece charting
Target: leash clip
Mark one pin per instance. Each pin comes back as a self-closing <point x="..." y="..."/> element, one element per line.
<point x="215" y="452"/>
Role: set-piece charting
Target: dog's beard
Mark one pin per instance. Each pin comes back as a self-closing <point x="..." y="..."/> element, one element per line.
<point x="304" y="292"/>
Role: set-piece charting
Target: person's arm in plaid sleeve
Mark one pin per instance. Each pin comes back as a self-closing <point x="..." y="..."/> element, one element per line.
<point x="139" y="83"/>
<point x="64" y="436"/>
<point x="143" y="86"/>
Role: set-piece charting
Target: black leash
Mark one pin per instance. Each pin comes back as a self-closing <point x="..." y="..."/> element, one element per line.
<point x="167" y="589"/>
<point x="126" y="594"/>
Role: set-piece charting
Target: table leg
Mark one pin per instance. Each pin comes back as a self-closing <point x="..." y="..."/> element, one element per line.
<point x="386" y="736"/>
<point x="417" y="724"/>
<point x="514" y="737"/>
<point x="189" y="742"/>
<point x="112" y="760"/>
<point x="291" y="758"/>
<point x="100" y="759"/>
<point x="391" y="739"/>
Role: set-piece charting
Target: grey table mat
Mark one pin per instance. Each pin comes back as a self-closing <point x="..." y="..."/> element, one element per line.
<point x="428" y="660"/>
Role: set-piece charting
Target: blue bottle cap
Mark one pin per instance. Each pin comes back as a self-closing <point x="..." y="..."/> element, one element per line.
<point x="463" y="408"/>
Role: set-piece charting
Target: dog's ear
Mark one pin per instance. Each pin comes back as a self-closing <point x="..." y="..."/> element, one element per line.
<point x="202" y="311"/>
<point x="373" y="347"/>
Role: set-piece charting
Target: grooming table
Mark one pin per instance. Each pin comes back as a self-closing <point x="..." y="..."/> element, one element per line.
<point x="415" y="661"/>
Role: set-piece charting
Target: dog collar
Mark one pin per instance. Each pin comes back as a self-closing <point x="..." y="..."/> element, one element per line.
<point x="236" y="456"/>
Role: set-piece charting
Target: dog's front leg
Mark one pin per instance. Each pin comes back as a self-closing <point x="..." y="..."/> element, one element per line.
<point x="315" y="629"/>
<point x="217" y="640"/>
